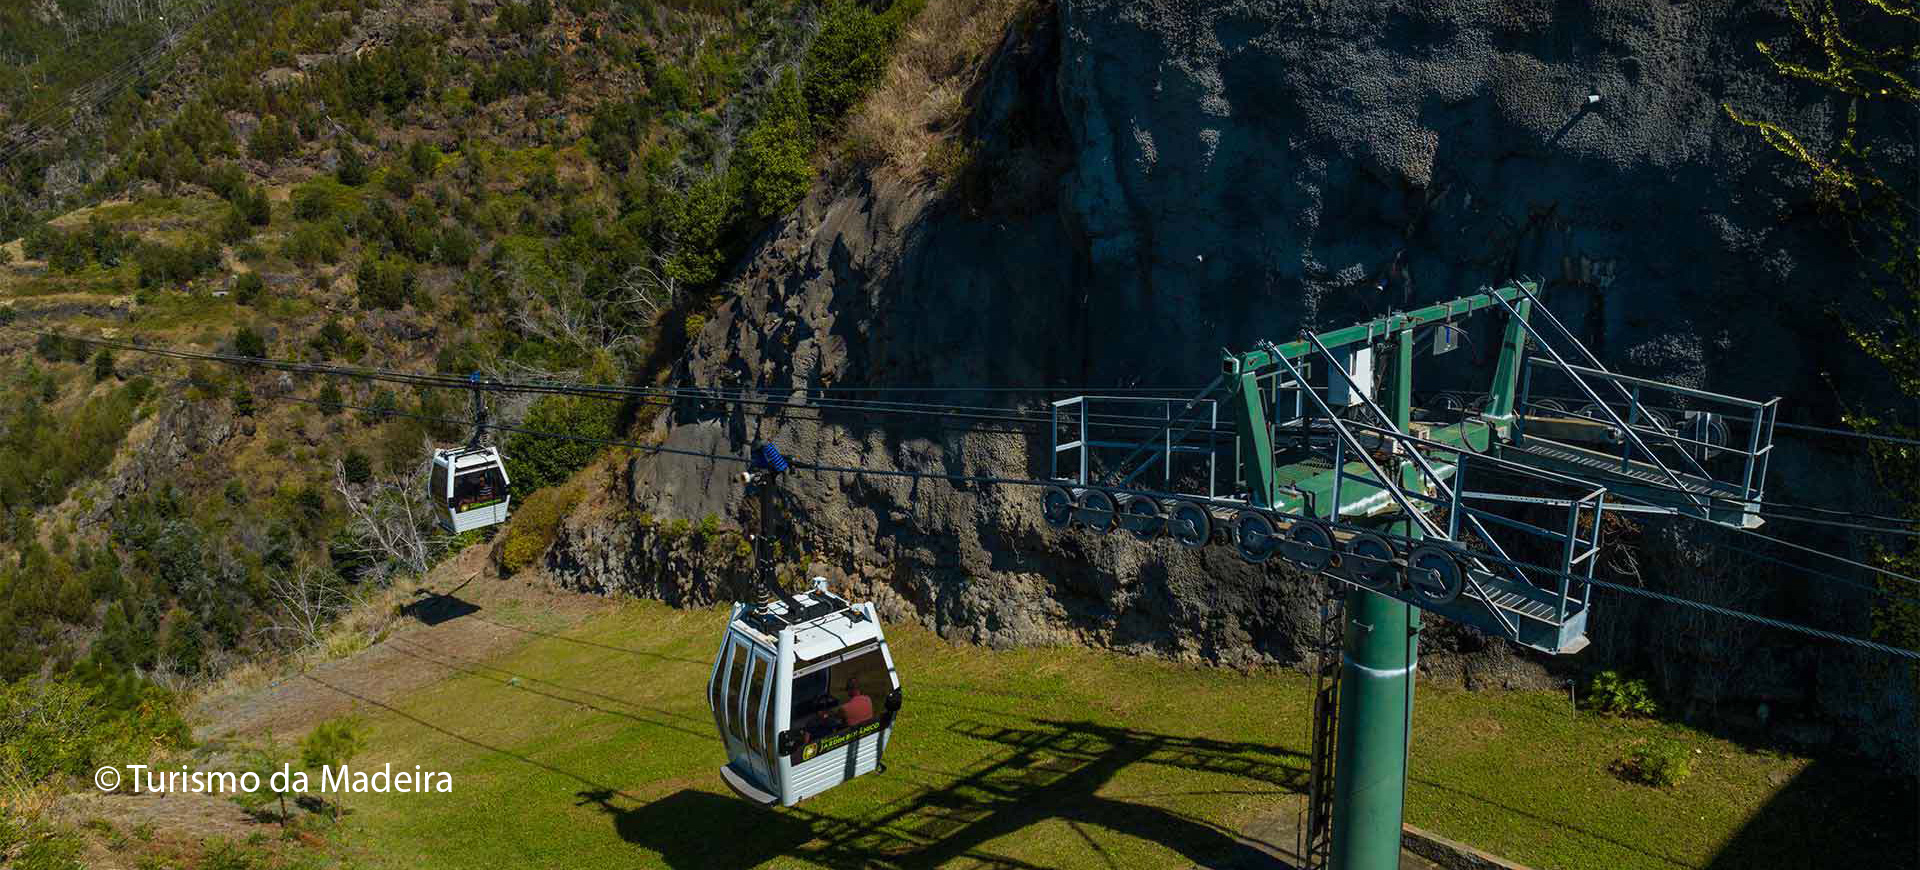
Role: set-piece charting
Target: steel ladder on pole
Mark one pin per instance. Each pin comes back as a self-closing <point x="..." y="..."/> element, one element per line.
<point x="1316" y="835"/>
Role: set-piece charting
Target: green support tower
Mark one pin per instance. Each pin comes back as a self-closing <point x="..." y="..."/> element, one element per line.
<point x="1350" y="487"/>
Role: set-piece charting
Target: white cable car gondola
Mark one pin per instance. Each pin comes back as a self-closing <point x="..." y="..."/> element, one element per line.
<point x="803" y="690"/>
<point x="468" y="487"/>
<point x="804" y="693"/>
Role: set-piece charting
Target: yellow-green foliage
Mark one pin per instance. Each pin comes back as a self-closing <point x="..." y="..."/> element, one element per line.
<point x="50" y="728"/>
<point x="1859" y="184"/>
<point x="536" y="519"/>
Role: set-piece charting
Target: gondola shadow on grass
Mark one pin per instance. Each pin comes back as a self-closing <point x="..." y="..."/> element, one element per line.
<point x="1054" y="772"/>
<point x="434" y="608"/>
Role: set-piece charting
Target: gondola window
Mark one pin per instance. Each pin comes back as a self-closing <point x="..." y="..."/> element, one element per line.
<point x="737" y="677"/>
<point x="841" y="696"/>
<point x="478" y="488"/>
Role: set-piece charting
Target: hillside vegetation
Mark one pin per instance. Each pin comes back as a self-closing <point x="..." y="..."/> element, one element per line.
<point x="523" y="189"/>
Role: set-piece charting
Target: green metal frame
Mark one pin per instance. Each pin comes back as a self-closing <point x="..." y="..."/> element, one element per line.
<point x="1381" y="635"/>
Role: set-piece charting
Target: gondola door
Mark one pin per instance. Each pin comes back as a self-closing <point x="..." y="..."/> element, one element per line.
<point x="743" y="697"/>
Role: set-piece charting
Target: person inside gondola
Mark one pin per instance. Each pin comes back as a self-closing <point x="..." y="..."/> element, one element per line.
<point x="858" y="710"/>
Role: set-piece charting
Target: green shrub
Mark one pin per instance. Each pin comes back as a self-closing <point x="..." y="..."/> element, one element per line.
<point x="423" y="158"/>
<point x="248" y="287"/>
<point x="457" y="246"/>
<point x="352" y="169"/>
<point x="385" y="282"/>
<point x="234" y="226"/>
<point x="273" y="140"/>
<point x="248" y="341"/>
<point x="700" y="220"/>
<point x="333" y="743"/>
<point x="68" y="727"/>
<point x="525" y="19"/>
<point x="331" y="339"/>
<point x="850" y="54"/>
<point x="329" y="399"/>
<point x="1618" y="695"/>
<point x="322" y="197"/>
<point x="265" y="760"/>
<point x="536" y="520"/>
<point x="535" y="462"/>
<point x="314" y="243"/>
<point x="103" y="365"/>
<point x="399" y="180"/>
<point x="257" y="208"/>
<point x="160" y="263"/>
<point x="1660" y="762"/>
<point x="357" y="467"/>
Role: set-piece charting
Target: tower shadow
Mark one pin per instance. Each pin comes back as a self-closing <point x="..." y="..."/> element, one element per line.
<point x="1051" y="772"/>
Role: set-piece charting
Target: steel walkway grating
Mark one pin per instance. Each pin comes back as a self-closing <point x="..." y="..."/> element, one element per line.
<point x="1611" y="465"/>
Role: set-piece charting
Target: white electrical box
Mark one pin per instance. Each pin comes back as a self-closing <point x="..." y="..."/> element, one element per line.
<point x="1358" y="361"/>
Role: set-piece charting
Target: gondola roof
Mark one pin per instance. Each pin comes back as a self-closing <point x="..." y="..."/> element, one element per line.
<point x="823" y="626"/>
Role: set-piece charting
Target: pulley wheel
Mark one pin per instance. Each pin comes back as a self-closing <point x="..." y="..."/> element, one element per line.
<point x="1708" y="427"/>
<point x="1253" y="536"/>
<point x="1056" y="506"/>
<point x="1310" y="545"/>
<point x="1096" y="511"/>
<point x="1141" y="516"/>
<point x="1433" y="575"/>
<point x="1369" y="560"/>
<point x="1190" y="524"/>
<point x="1551" y="406"/>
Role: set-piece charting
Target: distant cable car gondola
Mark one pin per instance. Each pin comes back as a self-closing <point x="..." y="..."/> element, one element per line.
<point x="468" y="486"/>
<point x="803" y="690"/>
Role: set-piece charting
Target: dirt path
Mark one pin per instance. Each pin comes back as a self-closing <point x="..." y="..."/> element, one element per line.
<point x="472" y="615"/>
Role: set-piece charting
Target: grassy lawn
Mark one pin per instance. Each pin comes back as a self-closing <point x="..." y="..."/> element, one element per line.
<point x="592" y="746"/>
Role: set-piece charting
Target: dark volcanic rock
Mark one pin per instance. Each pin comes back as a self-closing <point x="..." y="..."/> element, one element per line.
<point x="1158" y="180"/>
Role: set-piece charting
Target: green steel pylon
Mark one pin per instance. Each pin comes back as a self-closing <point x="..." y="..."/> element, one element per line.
<point x="1376" y="714"/>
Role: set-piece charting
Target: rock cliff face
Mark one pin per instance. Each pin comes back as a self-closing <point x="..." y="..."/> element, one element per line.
<point x="1157" y="180"/>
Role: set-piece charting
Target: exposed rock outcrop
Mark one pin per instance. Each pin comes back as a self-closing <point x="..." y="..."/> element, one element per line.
<point x="1157" y="180"/>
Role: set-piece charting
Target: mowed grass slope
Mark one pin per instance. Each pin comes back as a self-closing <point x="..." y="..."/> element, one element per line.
<point x="591" y="746"/>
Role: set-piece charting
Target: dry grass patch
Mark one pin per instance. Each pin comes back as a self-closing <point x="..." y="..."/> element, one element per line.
<point x="921" y="101"/>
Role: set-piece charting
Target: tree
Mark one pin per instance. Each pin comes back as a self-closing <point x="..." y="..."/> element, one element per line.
<point x="264" y="760"/>
<point x="352" y="170"/>
<point x="248" y="341"/>
<point x="774" y="154"/>
<point x="242" y="401"/>
<point x="385" y="282"/>
<point x="257" y="208"/>
<point x="306" y="601"/>
<point x="103" y="365"/>
<point x="333" y="743"/>
<point x="248" y="287"/>
<point x="390" y="522"/>
<point x="534" y="462"/>
<point x="329" y="399"/>
<point x="356" y="467"/>
<point x="1862" y="59"/>
<point x="273" y="140"/>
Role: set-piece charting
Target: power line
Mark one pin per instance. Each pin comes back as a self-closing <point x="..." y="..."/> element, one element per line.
<point x="990" y="480"/>
<point x="561" y="388"/>
<point x="739" y="397"/>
